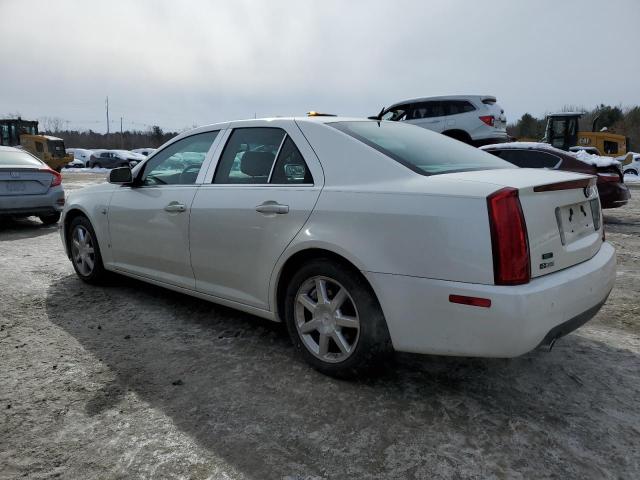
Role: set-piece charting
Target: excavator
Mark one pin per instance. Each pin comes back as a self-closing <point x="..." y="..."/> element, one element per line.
<point x="562" y="132"/>
<point x="23" y="134"/>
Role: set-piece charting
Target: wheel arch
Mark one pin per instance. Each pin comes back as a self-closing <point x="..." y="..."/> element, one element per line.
<point x="292" y="263"/>
<point x="69" y="215"/>
<point x="458" y="134"/>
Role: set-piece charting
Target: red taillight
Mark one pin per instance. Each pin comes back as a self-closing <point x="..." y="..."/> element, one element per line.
<point x="609" y="177"/>
<point x="509" y="241"/>
<point x="471" y="301"/>
<point x="488" y="119"/>
<point x="57" y="178"/>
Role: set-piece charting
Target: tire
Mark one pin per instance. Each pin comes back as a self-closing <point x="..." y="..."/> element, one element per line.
<point x="86" y="259"/>
<point x="631" y="171"/>
<point x="356" y="321"/>
<point x="50" y="218"/>
<point x="460" y="136"/>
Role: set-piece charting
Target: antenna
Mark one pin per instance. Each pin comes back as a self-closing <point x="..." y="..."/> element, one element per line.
<point x="107" y="107"/>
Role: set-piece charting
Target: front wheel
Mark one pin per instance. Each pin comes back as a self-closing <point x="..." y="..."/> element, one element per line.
<point x="85" y="251"/>
<point x="334" y="319"/>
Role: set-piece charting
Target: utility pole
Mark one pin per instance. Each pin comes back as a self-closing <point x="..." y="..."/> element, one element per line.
<point x="121" y="135"/>
<point x="107" y="106"/>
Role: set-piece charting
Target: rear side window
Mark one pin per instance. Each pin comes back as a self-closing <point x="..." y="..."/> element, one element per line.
<point x="250" y="154"/>
<point x="423" y="151"/>
<point x="530" y="158"/>
<point x="454" y="107"/>
<point x="290" y="167"/>
<point x="18" y="158"/>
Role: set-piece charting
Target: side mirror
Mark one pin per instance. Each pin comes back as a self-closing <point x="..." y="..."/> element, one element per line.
<point x="121" y="175"/>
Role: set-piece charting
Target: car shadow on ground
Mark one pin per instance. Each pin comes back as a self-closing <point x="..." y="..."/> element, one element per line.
<point x="234" y="384"/>
<point x="19" y="228"/>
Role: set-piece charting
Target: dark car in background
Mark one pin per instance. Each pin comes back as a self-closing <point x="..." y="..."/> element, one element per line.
<point x="613" y="192"/>
<point x="114" y="159"/>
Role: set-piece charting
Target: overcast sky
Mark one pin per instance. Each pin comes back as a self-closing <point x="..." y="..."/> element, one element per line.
<point x="183" y="63"/>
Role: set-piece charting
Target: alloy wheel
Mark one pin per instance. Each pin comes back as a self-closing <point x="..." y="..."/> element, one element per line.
<point x="327" y="319"/>
<point x="82" y="250"/>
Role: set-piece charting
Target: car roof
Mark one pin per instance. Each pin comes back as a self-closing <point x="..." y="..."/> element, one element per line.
<point x="445" y="97"/>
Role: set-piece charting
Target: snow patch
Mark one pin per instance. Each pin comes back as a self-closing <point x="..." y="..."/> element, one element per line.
<point x="632" y="178"/>
<point x="86" y="170"/>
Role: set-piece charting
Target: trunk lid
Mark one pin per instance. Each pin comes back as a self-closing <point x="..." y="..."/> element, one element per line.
<point x="24" y="181"/>
<point x="562" y="214"/>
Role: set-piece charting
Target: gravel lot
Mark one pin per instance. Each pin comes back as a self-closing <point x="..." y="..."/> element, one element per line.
<point x="133" y="381"/>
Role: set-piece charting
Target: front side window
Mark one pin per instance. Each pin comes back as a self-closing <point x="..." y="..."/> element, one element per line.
<point x="396" y="113"/>
<point x="419" y="149"/>
<point x="180" y="162"/>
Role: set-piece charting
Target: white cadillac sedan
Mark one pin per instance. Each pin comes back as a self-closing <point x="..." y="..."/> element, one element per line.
<point x="364" y="237"/>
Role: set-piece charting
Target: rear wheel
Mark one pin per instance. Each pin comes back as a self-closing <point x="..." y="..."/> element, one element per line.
<point x="50" y="218"/>
<point x="85" y="251"/>
<point x="334" y="319"/>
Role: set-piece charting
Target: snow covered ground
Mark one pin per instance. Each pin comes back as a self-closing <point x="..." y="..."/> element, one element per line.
<point x="86" y="170"/>
<point x="632" y="179"/>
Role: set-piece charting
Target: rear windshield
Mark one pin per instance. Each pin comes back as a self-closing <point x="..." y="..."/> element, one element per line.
<point x="18" y="158"/>
<point x="423" y="151"/>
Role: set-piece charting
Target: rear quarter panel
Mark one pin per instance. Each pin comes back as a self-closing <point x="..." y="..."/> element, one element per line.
<point x="422" y="235"/>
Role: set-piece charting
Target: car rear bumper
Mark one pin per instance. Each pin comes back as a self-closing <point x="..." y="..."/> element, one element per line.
<point x="613" y="195"/>
<point x="421" y="319"/>
<point x="50" y="202"/>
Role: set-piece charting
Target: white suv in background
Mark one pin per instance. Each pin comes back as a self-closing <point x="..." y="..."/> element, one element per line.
<point x="473" y="119"/>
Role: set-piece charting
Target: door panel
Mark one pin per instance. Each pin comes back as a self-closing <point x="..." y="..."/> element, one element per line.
<point x="149" y="223"/>
<point x="234" y="247"/>
<point x="148" y="240"/>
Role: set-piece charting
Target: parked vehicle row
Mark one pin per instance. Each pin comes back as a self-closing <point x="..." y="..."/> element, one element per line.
<point x="362" y="236"/>
<point x="103" y="158"/>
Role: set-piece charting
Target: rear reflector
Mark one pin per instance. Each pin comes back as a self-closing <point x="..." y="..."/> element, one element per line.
<point x="472" y="301"/>
<point x="488" y="119"/>
<point x="570" y="185"/>
<point x="509" y="240"/>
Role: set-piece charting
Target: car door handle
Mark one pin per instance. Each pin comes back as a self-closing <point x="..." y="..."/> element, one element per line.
<point x="272" y="207"/>
<point x="175" y="207"/>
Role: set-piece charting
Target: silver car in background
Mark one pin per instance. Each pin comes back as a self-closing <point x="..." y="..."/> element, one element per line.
<point x="29" y="187"/>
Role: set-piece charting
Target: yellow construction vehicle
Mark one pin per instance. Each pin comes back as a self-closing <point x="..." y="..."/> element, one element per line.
<point x="562" y="132"/>
<point x="48" y="149"/>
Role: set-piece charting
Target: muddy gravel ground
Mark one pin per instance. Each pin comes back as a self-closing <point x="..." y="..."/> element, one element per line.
<point x="133" y="381"/>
